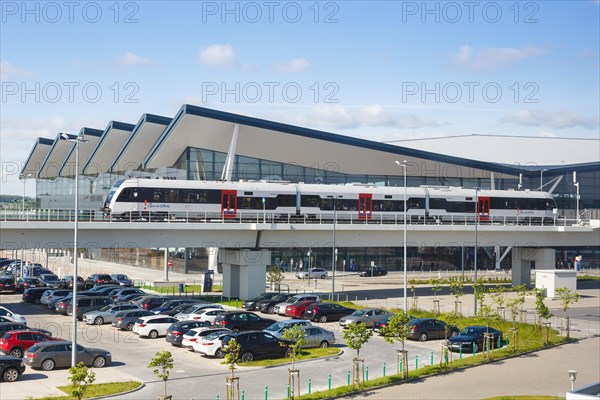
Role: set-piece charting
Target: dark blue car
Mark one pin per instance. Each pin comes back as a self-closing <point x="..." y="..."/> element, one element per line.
<point x="470" y="339"/>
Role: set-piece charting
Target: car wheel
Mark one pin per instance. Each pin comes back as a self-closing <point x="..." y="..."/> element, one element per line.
<point x="153" y="334"/>
<point x="219" y="353"/>
<point x="99" y="362"/>
<point x="475" y="348"/>
<point x="48" y="365"/>
<point x="323" y="276"/>
<point x="423" y="337"/>
<point x="271" y="310"/>
<point x="10" y="374"/>
<point x="99" y="321"/>
<point x="16" y="352"/>
<point x="247" y="357"/>
<point x="130" y="326"/>
<point x="36" y="301"/>
<point x="324" y="344"/>
<point x="323" y="318"/>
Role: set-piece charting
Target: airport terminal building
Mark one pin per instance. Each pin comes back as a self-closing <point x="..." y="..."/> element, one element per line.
<point x="206" y="144"/>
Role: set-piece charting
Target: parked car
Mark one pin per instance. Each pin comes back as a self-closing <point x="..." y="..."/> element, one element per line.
<point x="105" y="290"/>
<point x="106" y="314"/>
<point x="23" y="284"/>
<point x="207" y="315"/>
<point x="315" y="336"/>
<point x="68" y="282"/>
<point x="125" y="320"/>
<point x="15" y="342"/>
<point x="429" y="328"/>
<point x="180" y="308"/>
<point x="297" y="309"/>
<point x="103" y="287"/>
<point x="7" y="284"/>
<point x="169" y="305"/>
<point x="268" y="306"/>
<point x="51" y="295"/>
<point x="470" y="338"/>
<point x="198" y="335"/>
<point x="13" y="316"/>
<point x="61" y="305"/>
<point x="153" y="326"/>
<point x="98" y="279"/>
<point x="11" y="368"/>
<point x="210" y="345"/>
<point x="50" y="355"/>
<point x="378" y="326"/>
<point x="278" y="328"/>
<point x="130" y="298"/>
<point x="122" y="280"/>
<point x="51" y="281"/>
<point x="313" y="273"/>
<point x="242" y="321"/>
<point x="323" y="312"/>
<point x="87" y="304"/>
<point x="195" y="308"/>
<point x="150" y="302"/>
<point x="368" y="316"/>
<point x="14" y="326"/>
<point x="118" y="295"/>
<point x="257" y="344"/>
<point x="251" y="304"/>
<point x="177" y="330"/>
<point x="33" y="295"/>
<point x="297" y="298"/>
<point x="373" y="271"/>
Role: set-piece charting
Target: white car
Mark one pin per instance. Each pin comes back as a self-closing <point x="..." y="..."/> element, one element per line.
<point x="193" y="335"/>
<point x="6" y="313"/>
<point x="153" y="326"/>
<point x="314" y="273"/>
<point x="207" y="315"/>
<point x="194" y="309"/>
<point x="210" y="345"/>
<point x="280" y="308"/>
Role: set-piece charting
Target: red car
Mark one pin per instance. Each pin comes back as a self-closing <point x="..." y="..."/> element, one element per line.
<point x="15" y="343"/>
<point x="296" y="310"/>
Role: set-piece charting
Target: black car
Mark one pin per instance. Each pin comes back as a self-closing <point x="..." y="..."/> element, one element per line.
<point x="122" y="280"/>
<point x="13" y="326"/>
<point x="68" y="282"/>
<point x="176" y="310"/>
<point x="268" y="306"/>
<point x="251" y="304"/>
<point x="470" y="339"/>
<point x="98" y="279"/>
<point x="373" y="271"/>
<point x="429" y="328"/>
<point x="23" y="284"/>
<point x="33" y="295"/>
<point x="242" y="321"/>
<point x="150" y="302"/>
<point x="125" y="320"/>
<point x="176" y="331"/>
<point x="170" y="305"/>
<point x="11" y="368"/>
<point x="323" y="312"/>
<point x="7" y="284"/>
<point x="257" y="344"/>
<point x="50" y="280"/>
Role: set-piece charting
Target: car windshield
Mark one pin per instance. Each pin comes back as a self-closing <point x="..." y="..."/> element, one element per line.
<point x="276" y="327"/>
<point x="105" y="308"/>
<point x="280" y="297"/>
<point x="468" y="331"/>
<point x="122" y="277"/>
<point x="359" y="313"/>
<point x="215" y="335"/>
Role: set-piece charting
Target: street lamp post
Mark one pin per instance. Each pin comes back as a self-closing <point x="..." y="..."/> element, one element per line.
<point x="542" y="177"/>
<point x="475" y="253"/>
<point x="333" y="250"/>
<point x="405" y="273"/>
<point x="77" y="140"/>
<point x="576" y="184"/>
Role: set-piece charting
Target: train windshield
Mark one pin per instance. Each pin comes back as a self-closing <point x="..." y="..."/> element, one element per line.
<point x="113" y="190"/>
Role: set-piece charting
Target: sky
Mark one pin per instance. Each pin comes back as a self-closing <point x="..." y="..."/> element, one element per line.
<point x="378" y="70"/>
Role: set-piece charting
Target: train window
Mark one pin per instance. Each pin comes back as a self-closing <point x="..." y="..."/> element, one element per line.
<point x="171" y="195"/>
<point x="124" y="195"/>
<point x="246" y="203"/>
<point x="248" y="193"/>
<point x="190" y="197"/>
<point x="388" y="196"/>
<point x="310" y="201"/>
<point x="286" y="200"/>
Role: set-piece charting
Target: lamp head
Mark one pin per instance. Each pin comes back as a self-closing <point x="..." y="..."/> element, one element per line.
<point x="572" y="374"/>
<point x="65" y="136"/>
<point x="397" y="163"/>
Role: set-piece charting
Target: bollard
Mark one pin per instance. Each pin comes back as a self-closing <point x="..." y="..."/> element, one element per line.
<point x="367" y="374"/>
<point x="288" y="391"/>
<point x="401" y="367"/>
<point x="499" y="342"/>
<point x="266" y="393"/>
<point x="348" y="377"/>
<point x="229" y="302"/>
<point x="329" y="382"/>
<point x="460" y="351"/>
<point x="473" y="348"/>
<point x="507" y="341"/>
<point x="217" y="397"/>
<point x="431" y="359"/>
<point x="308" y="386"/>
<point x="243" y="395"/>
<point x="384" y="370"/>
<point x="221" y="302"/>
<point x="417" y="362"/>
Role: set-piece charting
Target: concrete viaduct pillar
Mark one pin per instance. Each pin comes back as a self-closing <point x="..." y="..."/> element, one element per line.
<point x="244" y="272"/>
<point x="526" y="258"/>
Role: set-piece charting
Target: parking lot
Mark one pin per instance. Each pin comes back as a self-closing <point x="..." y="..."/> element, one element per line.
<point x="195" y="376"/>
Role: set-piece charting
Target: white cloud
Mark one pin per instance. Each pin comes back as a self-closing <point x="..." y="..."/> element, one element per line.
<point x="493" y="57"/>
<point x="218" y="55"/>
<point x="295" y="65"/>
<point x="556" y="120"/>
<point x="588" y="53"/>
<point x="9" y="71"/>
<point x="130" y="59"/>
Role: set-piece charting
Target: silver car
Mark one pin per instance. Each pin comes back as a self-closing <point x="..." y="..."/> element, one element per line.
<point x="317" y="337"/>
<point x="368" y="316"/>
<point x="106" y="314"/>
<point x="195" y="308"/>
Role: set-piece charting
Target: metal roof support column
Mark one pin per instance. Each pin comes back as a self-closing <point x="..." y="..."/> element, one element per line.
<point x="228" y="167"/>
<point x="492" y="181"/>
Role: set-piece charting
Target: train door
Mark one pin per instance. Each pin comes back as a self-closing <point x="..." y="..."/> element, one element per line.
<point x="228" y="203"/>
<point x="483" y="208"/>
<point x="365" y="206"/>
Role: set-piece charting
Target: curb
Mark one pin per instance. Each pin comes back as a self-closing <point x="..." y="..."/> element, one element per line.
<point x="299" y="361"/>
<point x="142" y="385"/>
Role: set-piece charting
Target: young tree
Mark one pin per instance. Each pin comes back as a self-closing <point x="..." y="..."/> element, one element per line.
<point x="543" y="312"/>
<point x="457" y="288"/>
<point x="567" y="297"/>
<point x="479" y="293"/>
<point x="80" y="378"/>
<point x="398" y="330"/>
<point x="356" y="336"/>
<point x="451" y="319"/>
<point x="296" y="336"/>
<point x="415" y="300"/>
<point x="275" y="275"/>
<point x="162" y="364"/>
<point x="232" y="358"/>
<point x="498" y="298"/>
<point x="436" y="286"/>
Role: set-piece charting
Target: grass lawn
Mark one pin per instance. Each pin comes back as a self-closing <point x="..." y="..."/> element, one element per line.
<point x="98" y="389"/>
<point x="307" y="354"/>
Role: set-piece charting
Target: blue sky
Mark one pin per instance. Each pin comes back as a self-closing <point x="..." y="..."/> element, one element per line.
<point x="377" y="70"/>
